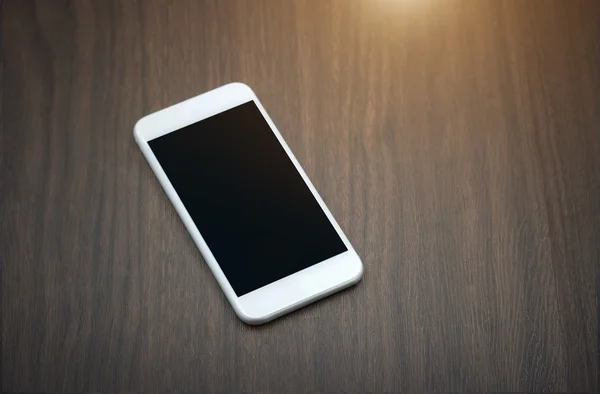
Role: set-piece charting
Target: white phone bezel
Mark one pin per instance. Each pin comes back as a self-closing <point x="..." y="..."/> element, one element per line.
<point x="279" y="297"/>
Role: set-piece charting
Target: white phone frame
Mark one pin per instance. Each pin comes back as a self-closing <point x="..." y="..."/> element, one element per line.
<point x="283" y="295"/>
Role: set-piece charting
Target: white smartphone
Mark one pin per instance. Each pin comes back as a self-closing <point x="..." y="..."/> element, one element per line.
<point x="258" y="221"/>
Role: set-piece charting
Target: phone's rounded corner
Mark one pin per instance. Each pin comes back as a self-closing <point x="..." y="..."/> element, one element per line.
<point x="246" y="318"/>
<point x="239" y="87"/>
<point x="137" y="130"/>
<point x="359" y="269"/>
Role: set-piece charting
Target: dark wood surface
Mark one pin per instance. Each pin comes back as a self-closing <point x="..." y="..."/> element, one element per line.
<point x="456" y="142"/>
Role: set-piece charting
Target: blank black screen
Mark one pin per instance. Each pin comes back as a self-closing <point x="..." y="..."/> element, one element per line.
<point x="258" y="217"/>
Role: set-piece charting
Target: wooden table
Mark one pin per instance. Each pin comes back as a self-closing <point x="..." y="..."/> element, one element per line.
<point x="456" y="142"/>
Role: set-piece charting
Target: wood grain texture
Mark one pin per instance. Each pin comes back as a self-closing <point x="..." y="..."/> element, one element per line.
<point x="456" y="142"/>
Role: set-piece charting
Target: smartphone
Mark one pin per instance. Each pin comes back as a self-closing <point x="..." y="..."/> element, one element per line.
<point x="256" y="218"/>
